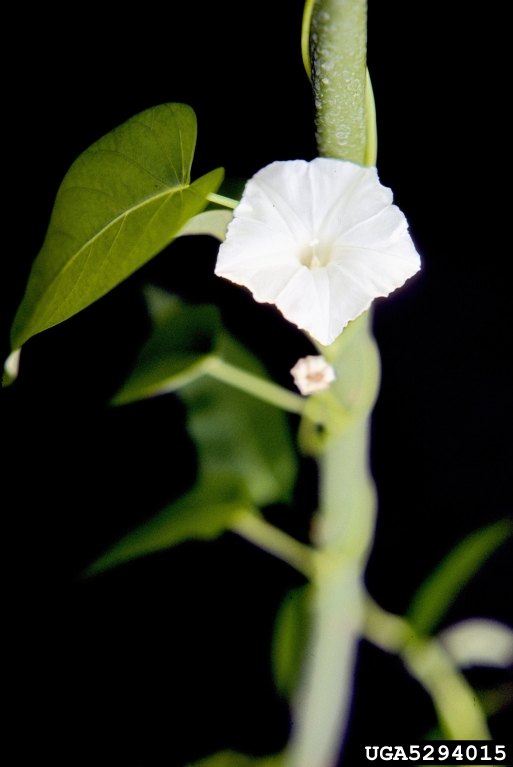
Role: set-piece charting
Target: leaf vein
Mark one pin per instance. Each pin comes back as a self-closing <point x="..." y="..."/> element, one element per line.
<point x="141" y="167"/>
<point x="59" y="306"/>
<point x="98" y="235"/>
<point x="157" y="137"/>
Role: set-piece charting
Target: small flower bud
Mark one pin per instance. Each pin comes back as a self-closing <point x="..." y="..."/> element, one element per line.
<point x="312" y="374"/>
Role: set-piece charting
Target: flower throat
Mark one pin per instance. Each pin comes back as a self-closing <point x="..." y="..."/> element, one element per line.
<point x="316" y="254"/>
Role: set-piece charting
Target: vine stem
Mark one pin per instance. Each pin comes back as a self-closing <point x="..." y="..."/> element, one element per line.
<point x="345" y="522"/>
<point x="343" y="533"/>
<point x="346" y="129"/>
<point x="459" y="712"/>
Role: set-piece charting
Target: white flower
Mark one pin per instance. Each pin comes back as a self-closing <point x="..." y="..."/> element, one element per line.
<point x="320" y="240"/>
<point x="312" y="374"/>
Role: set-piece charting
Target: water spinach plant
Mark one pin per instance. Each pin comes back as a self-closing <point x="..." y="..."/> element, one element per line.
<point x="319" y="240"/>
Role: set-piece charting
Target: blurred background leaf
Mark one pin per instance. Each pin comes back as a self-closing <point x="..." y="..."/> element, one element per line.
<point x="203" y="513"/>
<point x="232" y="759"/>
<point x="437" y="593"/>
<point x="235" y="433"/>
<point x="289" y="641"/>
<point x="182" y="337"/>
<point x="246" y="457"/>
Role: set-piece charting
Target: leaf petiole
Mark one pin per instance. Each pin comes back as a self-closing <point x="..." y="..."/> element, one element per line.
<point x="258" y="387"/>
<point x="220" y="199"/>
<point x="273" y="540"/>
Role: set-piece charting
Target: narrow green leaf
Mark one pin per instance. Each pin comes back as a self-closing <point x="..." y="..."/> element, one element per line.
<point x="234" y="759"/>
<point x="122" y="201"/>
<point x="440" y="589"/>
<point x="289" y="641"/>
<point x="202" y="514"/>
<point x="182" y="339"/>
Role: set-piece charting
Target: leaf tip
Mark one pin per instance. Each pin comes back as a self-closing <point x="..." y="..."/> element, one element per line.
<point x="97" y="567"/>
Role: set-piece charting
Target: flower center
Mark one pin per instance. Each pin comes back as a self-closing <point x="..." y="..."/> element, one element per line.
<point x="316" y="254"/>
<point x="316" y="377"/>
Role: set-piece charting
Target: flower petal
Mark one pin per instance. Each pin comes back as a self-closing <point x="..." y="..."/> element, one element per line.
<point x="271" y="198"/>
<point x="305" y="301"/>
<point x="344" y="195"/>
<point x="266" y="285"/>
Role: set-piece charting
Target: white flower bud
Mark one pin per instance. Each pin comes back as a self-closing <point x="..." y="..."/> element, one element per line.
<point x="312" y="374"/>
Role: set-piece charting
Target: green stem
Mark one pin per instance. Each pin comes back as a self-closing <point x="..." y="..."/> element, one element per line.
<point x="343" y="535"/>
<point x="371" y="148"/>
<point x="345" y="521"/>
<point x="339" y="52"/>
<point x="221" y="200"/>
<point x="258" y="387"/>
<point x="273" y="540"/>
<point x="459" y="712"/>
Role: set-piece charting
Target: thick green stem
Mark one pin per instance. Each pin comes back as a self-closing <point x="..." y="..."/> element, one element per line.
<point x="343" y="534"/>
<point x="339" y="52"/>
<point x="345" y="521"/>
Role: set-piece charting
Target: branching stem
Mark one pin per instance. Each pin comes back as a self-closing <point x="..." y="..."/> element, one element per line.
<point x="273" y="540"/>
<point x="459" y="712"/>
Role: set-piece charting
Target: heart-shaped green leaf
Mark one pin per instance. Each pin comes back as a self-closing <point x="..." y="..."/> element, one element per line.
<point x="121" y="202"/>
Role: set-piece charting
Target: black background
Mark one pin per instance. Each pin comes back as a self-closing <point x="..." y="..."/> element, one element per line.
<point x="166" y="660"/>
